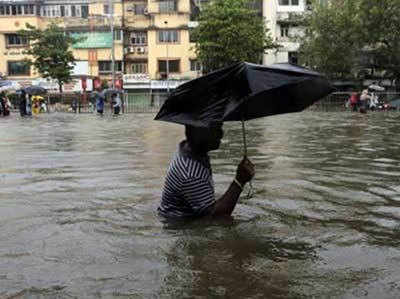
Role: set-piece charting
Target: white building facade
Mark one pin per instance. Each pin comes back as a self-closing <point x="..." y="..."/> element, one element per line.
<point x="281" y="18"/>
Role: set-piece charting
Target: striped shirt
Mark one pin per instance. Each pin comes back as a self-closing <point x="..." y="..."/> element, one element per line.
<point x="189" y="187"/>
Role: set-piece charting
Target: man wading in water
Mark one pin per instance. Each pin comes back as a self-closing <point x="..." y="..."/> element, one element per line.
<point x="189" y="188"/>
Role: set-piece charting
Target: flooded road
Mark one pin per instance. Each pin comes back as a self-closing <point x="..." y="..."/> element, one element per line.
<point x="78" y="195"/>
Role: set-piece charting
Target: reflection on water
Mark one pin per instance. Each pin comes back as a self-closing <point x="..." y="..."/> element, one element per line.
<point x="78" y="195"/>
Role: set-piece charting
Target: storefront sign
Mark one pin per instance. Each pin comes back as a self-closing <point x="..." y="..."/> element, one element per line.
<point x="93" y="40"/>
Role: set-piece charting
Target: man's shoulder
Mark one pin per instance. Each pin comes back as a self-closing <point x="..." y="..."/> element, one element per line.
<point x="190" y="168"/>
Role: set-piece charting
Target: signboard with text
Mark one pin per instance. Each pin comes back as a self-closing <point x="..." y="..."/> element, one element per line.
<point x="93" y="40"/>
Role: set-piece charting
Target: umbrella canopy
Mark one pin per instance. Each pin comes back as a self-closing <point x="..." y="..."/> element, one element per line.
<point x="35" y="90"/>
<point x="9" y="86"/>
<point x="244" y="91"/>
<point x="376" y="87"/>
<point x="5" y="82"/>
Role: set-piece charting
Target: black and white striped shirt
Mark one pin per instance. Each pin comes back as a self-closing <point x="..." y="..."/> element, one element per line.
<point x="189" y="187"/>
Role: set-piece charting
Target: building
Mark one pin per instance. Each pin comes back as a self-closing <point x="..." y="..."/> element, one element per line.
<point x="158" y="52"/>
<point x="150" y="44"/>
<point x="281" y="17"/>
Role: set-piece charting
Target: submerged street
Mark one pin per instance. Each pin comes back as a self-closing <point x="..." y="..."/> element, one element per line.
<point x="79" y="193"/>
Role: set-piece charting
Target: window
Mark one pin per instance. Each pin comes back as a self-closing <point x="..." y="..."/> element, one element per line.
<point x="195" y="65"/>
<point x="2" y="10"/>
<point x="106" y="9"/>
<point x="168" y="36"/>
<point x="140" y="9"/>
<point x="15" y="40"/>
<point x="18" y="68"/>
<point x="167" y="6"/>
<point x="105" y="66"/>
<point x="29" y="9"/>
<point x="288" y="2"/>
<point x="284" y="31"/>
<point x="84" y="11"/>
<point x="117" y="34"/>
<point x="139" y="38"/>
<point x="139" y="68"/>
<point x="73" y="11"/>
<point x="62" y="10"/>
<point x="173" y="66"/>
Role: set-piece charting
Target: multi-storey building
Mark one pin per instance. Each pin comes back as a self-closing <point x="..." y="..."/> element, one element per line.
<point x="282" y="21"/>
<point x="150" y="41"/>
<point x="158" y="52"/>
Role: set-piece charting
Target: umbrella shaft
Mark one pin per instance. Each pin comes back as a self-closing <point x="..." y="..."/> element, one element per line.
<point x="244" y="139"/>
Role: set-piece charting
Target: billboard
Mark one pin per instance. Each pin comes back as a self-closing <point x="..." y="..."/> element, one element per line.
<point x="92" y="40"/>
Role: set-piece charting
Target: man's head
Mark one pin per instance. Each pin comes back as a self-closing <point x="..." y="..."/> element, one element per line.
<point x="204" y="139"/>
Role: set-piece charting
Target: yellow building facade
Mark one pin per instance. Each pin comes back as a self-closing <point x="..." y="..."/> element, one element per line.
<point x="150" y="41"/>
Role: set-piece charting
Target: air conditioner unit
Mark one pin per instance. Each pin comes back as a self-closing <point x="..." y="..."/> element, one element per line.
<point x="145" y="12"/>
<point x="129" y="8"/>
<point x="132" y="49"/>
<point x="140" y="50"/>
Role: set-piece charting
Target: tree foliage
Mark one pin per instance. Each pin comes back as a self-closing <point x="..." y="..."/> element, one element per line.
<point x="348" y="38"/>
<point x="50" y="50"/>
<point x="230" y="31"/>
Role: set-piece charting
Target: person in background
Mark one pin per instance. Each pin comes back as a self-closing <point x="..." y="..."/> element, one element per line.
<point x="116" y="101"/>
<point x="189" y="188"/>
<point x="7" y="106"/>
<point x="2" y="104"/>
<point x="35" y="106"/>
<point x="364" y="101"/>
<point x="99" y="101"/>
<point x="353" y="101"/>
<point x="22" y="103"/>
<point x="28" y="104"/>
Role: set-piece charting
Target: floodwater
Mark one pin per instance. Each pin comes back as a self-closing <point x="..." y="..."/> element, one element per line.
<point x="78" y="195"/>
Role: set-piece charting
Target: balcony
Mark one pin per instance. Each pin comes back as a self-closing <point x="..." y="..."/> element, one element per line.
<point x="139" y="51"/>
<point x="92" y="21"/>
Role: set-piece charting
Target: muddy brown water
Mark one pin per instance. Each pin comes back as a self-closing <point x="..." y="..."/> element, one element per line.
<point x="78" y="195"/>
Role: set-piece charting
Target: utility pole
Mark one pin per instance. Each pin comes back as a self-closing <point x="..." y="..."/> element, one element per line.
<point x="111" y="21"/>
<point x="166" y="25"/>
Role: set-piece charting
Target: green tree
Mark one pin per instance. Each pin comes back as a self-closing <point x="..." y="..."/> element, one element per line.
<point x="230" y="31"/>
<point x="50" y="51"/>
<point x="331" y="43"/>
<point x="351" y="38"/>
<point x="381" y="32"/>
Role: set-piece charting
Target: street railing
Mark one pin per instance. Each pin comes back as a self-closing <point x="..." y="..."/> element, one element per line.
<point x="151" y="102"/>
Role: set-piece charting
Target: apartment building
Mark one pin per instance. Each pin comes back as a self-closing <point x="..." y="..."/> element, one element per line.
<point x="281" y="18"/>
<point x="158" y="51"/>
<point x="148" y="41"/>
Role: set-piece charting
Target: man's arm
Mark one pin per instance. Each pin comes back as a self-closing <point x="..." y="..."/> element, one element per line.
<point x="225" y="205"/>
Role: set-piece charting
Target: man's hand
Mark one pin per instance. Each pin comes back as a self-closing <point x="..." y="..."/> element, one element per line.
<point x="245" y="171"/>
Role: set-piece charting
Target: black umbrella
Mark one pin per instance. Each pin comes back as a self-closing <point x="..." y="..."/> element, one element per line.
<point x="35" y="90"/>
<point x="244" y="91"/>
<point x="5" y="83"/>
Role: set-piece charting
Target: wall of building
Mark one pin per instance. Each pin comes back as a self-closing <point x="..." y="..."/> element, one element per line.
<point x="277" y="15"/>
